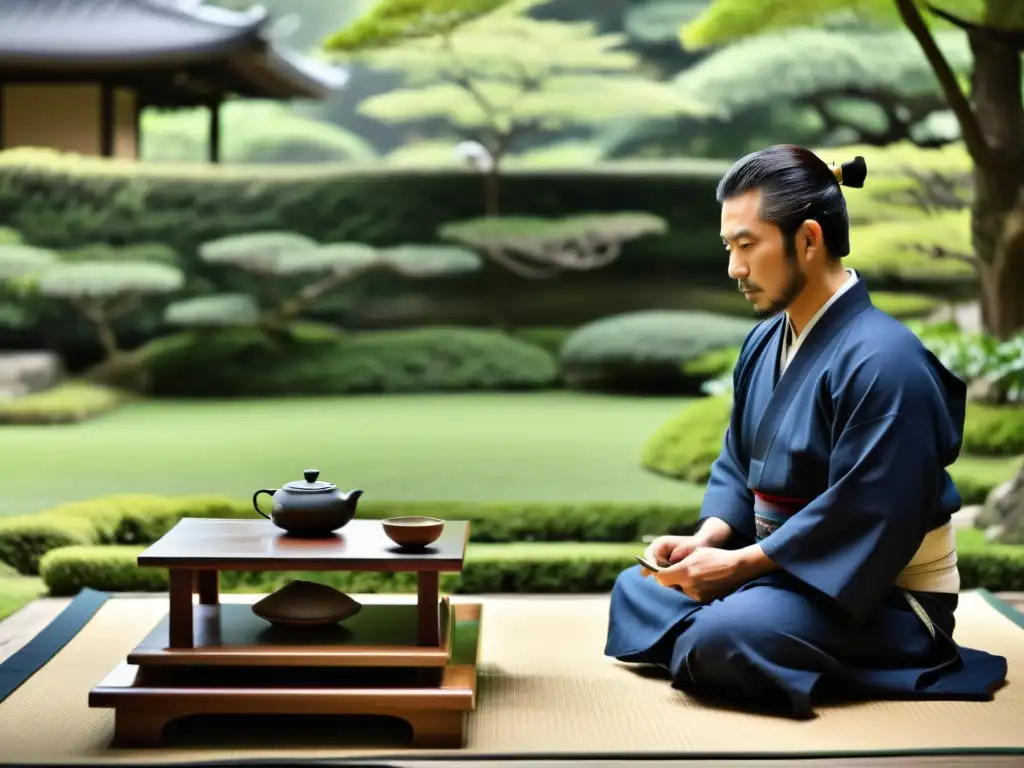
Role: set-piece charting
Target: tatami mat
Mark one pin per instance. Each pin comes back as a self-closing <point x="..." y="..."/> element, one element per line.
<point x="545" y="688"/>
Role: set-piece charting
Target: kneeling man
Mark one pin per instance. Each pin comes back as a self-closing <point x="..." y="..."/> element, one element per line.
<point x="825" y="559"/>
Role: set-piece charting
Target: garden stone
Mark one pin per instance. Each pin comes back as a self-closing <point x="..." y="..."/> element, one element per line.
<point x="22" y="373"/>
<point x="1002" y="517"/>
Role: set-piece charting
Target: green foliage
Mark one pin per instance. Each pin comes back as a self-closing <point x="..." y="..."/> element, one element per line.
<point x="251" y="132"/>
<point x="227" y="309"/>
<point x="18" y="591"/>
<point x="686" y="445"/>
<point x="575" y="243"/>
<point x="10" y="236"/>
<point x="872" y="82"/>
<point x="726" y="20"/>
<point x="422" y="261"/>
<point x="646" y="349"/>
<point x="980" y="356"/>
<point x="61" y="201"/>
<point x="20" y="260"/>
<point x="66" y="403"/>
<point x="315" y="361"/>
<point x="503" y="73"/>
<point x="136" y="252"/>
<point x="905" y="306"/>
<point x="657" y="21"/>
<point x="104" y="280"/>
<point x="394" y="21"/>
<point x="24" y="539"/>
<point x="138" y="519"/>
<point x="994" y="430"/>
<point x="712" y="364"/>
<point x="523" y="568"/>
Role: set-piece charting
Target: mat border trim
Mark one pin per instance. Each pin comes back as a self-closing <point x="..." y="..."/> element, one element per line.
<point x="24" y="663"/>
<point x="16" y="670"/>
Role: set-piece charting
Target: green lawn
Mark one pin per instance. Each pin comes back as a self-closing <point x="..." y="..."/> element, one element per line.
<point x="552" y="446"/>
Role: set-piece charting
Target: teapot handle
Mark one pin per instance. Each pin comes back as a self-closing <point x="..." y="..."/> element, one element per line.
<point x="255" y="504"/>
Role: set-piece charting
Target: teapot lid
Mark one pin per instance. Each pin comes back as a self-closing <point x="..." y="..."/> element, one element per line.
<point x="311" y="484"/>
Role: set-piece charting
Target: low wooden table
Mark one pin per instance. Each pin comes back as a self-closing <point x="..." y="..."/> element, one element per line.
<point x="389" y="659"/>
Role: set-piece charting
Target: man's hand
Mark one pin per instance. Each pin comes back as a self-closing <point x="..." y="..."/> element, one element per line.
<point x="705" y="574"/>
<point x="666" y="550"/>
<point x="709" y="573"/>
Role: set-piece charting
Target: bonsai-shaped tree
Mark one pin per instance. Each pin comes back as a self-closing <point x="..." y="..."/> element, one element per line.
<point x="292" y="272"/>
<point x="101" y="291"/>
<point x="500" y="75"/>
<point x="539" y="248"/>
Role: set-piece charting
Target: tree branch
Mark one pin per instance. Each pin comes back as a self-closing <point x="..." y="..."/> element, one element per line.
<point x="1013" y="38"/>
<point x="974" y="139"/>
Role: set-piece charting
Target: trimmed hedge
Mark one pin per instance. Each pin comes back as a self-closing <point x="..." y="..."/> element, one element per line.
<point x="544" y="567"/>
<point x="685" y="446"/>
<point x="322" y="361"/>
<point x="62" y="201"/>
<point x="646" y="350"/>
<point x="489" y="568"/>
<point x="141" y="519"/>
<point x="993" y="430"/>
<point x="65" y="403"/>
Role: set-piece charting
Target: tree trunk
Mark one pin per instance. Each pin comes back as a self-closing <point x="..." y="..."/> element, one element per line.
<point x="997" y="220"/>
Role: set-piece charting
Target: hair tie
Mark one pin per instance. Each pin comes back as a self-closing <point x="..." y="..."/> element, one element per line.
<point x="851" y="173"/>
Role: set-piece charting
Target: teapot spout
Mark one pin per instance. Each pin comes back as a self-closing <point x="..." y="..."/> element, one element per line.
<point x="353" y="496"/>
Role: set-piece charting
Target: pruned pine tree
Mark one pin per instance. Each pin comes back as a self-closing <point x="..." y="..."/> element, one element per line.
<point x="103" y="292"/>
<point x="294" y="272"/>
<point x="540" y="248"/>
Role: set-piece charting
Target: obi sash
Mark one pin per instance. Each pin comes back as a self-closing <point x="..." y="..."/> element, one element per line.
<point x="933" y="568"/>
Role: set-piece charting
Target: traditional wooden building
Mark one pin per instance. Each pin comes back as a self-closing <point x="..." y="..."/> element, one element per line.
<point x="75" y="74"/>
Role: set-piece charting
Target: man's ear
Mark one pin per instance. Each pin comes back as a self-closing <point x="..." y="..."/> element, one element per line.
<point x="812" y="239"/>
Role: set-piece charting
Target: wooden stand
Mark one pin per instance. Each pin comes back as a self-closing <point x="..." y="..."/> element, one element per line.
<point x="414" y="660"/>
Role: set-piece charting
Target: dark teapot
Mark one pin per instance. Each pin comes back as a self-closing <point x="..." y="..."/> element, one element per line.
<point x="309" y="509"/>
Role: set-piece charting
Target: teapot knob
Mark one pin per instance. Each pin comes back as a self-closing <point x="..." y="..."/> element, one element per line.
<point x="311" y="475"/>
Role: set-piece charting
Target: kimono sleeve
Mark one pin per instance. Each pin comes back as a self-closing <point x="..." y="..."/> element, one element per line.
<point x="901" y="426"/>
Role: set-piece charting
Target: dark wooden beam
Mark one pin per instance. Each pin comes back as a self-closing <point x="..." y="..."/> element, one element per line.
<point x="137" y="121"/>
<point x="2" y="131"/>
<point x="214" y="138"/>
<point x="108" y="120"/>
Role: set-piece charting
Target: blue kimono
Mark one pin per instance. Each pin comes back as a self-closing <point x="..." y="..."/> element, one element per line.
<point x="837" y="468"/>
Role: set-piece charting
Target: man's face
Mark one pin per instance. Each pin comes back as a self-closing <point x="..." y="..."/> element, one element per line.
<point x="766" y="271"/>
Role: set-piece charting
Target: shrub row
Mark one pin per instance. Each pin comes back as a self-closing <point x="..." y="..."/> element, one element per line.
<point x="647" y="350"/>
<point x="142" y="519"/>
<point x="993" y="430"/>
<point x="547" y="567"/>
<point x="64" y="404"/>
<point x="317" y="360"/>
<point x="62" y="201"/>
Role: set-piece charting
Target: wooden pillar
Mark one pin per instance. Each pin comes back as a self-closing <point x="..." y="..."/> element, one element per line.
<point x="137" y="120"/>
<point x="108" y="120"/>
<point x="213" y="142"/>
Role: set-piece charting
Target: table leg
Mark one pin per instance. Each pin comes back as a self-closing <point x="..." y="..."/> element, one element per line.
<point x="182" y="585"/>
<point x="208" y="587"/>
<point x="428" y="619"/>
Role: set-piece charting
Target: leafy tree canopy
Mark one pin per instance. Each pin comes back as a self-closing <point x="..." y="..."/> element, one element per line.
<point x="808" y="63"/>
<point x="727" y="20"/>
<point x="394" y="21"/>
